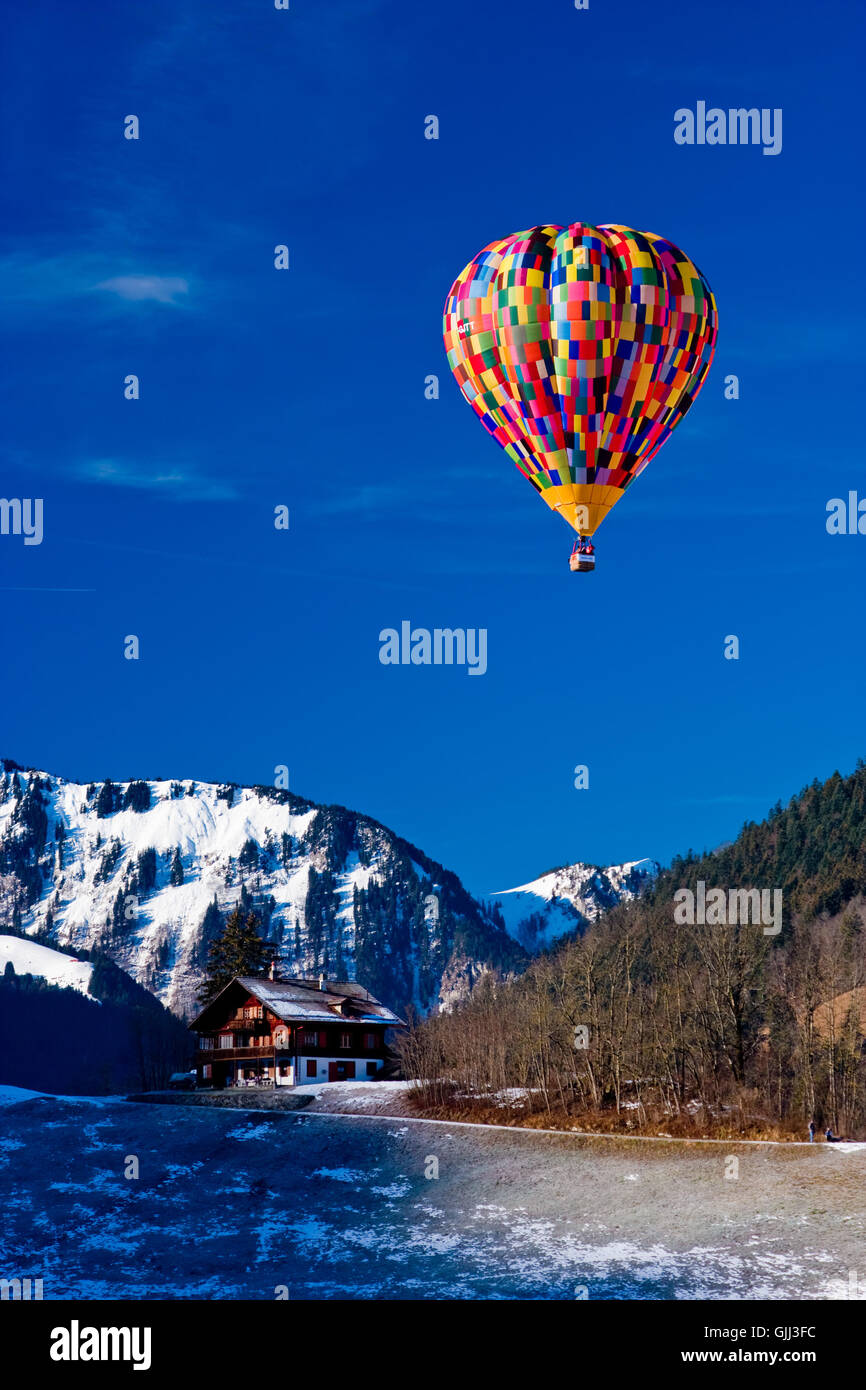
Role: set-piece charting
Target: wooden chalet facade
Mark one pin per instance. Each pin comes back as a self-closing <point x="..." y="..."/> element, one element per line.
<point x="291" y="1033"/>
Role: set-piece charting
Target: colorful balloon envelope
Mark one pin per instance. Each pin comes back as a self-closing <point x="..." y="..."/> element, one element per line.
<point x="580" y="348"/>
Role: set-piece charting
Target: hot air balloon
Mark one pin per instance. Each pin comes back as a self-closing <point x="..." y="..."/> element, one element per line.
<point x="580" y="348"/>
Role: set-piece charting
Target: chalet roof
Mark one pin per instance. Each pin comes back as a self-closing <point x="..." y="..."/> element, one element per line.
<point x="303" y="1001"/>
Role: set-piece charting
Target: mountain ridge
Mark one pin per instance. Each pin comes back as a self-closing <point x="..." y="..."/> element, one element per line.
<point x="146" y="871"/>
<point x="566" y="899"/>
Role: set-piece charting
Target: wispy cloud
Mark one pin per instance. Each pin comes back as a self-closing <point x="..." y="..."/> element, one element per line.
<point x="27" y="279"/>
<point x="180" y="482"/>
<point x="163" y="288"/>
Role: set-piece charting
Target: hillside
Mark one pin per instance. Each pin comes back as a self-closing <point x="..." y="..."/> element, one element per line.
<point x="56" y="968"/>
<point x="81" y="1027"/>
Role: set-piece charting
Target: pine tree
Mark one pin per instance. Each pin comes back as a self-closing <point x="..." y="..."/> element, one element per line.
<point x="175" y="876"/>
<point x="106" y="802"/>
<point x="137" y="797"/>
<point x="249" y="855"/>
<point x="145" y="869"/>
<point x="239" y="950"/>
<point x="212" y="922"/>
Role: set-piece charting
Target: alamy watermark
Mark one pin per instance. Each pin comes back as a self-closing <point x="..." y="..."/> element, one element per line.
<point x="443" y="646"/>
<point x="736" y="126"/>
<point x="21" y="1290"/>
<point x="77" y="1343"/>
<point x="846" y="518"/>
<point x="729" y="907"/>
<point x="22" y="516"/>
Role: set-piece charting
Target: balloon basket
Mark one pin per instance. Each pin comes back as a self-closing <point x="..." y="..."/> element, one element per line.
<point x="580" y="564"/>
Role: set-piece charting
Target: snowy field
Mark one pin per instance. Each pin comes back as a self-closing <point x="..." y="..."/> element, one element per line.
<point x="233" y="1204"/>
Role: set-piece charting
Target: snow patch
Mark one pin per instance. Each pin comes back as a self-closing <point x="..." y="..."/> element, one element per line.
<point x="262" y="1131"/>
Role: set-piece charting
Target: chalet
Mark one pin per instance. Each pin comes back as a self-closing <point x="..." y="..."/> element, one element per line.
<point x="291" y="1033"/>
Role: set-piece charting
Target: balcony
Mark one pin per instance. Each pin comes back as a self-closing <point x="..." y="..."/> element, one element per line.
<point x="237" y="1054"/>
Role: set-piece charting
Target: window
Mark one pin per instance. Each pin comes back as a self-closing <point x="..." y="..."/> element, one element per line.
<point x="227" y="1040"/>
<point x="311" y="1067"/>
<point x="345" y="1039"/>
<point x="253" y="1011"/>
<point x="206" y="1072"/>
<point x="309" y="1039"/>
<point x="372" y="1068"/>
<point x="205" y="1044"/>
<point x="370" y="1041"/>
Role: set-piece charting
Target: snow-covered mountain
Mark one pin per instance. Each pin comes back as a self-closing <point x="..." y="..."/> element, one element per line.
<point x="55" y="967"/>
<point x="148" y="871"/>
<point x="565" y="899"/>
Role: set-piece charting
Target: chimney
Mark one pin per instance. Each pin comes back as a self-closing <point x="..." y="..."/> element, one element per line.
<point x="321" y="982"/>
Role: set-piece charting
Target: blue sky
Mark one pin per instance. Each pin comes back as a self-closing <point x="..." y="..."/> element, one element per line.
<point x="306" y="388"/>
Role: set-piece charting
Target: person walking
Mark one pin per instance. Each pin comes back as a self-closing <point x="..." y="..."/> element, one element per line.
<point x="811" y="1131"/>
